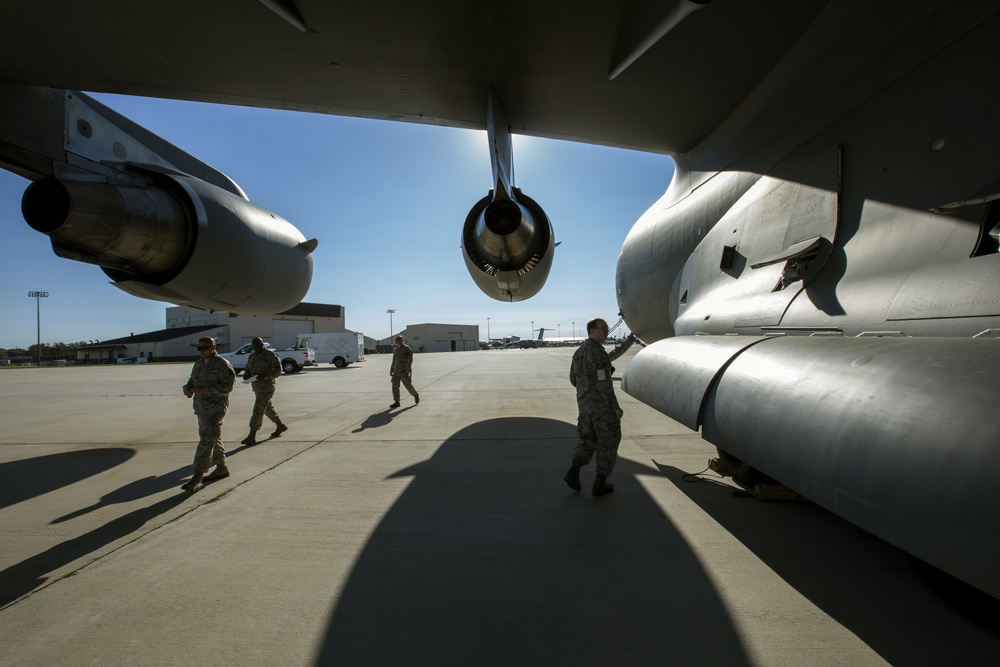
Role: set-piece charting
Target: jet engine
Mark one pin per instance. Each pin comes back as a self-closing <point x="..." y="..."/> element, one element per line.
<point x="178" y="239"/>
<point x="508" y="245"/>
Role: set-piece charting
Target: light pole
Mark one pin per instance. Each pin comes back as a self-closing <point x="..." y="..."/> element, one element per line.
<point x="38" y="319"/>
<point x="574" y="329"/>
<point x="390" y="311"/>
<point x="559" y="330"/>
<point x="488" y="332"/>
<point x="532" y="334"/>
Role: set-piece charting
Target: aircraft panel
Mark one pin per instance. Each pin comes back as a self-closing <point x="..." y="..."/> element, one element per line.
<point x="549" y="62"/>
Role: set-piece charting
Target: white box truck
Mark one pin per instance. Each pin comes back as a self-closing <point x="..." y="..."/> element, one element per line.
<point x="340" y="348"/>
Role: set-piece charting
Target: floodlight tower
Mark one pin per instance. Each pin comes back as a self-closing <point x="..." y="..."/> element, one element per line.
<point x="38" y="296"/>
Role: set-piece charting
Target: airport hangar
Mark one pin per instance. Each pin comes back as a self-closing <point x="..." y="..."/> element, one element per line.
<point x="184" y="326"/>
<point x="432" y="337"/>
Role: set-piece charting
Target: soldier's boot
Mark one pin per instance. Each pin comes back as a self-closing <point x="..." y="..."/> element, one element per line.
<point x="601" y="487"/>
<point x="395" y="404"/>
<point x="572" y="477"/>
<point x="416" y="399"/>
<point x="279" y="430"/>
<point x="250" y="439"/>
<point x="194" y="483"/>
<point x="220" y="472"/>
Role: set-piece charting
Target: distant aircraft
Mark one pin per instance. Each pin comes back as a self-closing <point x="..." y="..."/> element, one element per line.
<point x="557" y="340"/>
<point x="819" y="287"/>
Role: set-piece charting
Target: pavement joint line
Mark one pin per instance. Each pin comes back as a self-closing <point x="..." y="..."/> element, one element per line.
<point x="453" y="372"/>
<point x="83" y="566"/>
<point x="96" y="559"/>
<point x="215" y="499"/>
<point x="155" y="529"/>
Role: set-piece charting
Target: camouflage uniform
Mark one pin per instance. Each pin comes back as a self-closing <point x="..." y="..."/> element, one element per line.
<point x="267" y="367"/>
<point x="598" y="425"/>
<point x="402" y="361"/>
<point x="217" y="377"/>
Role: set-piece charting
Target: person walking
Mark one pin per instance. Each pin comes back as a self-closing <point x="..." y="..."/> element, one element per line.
<point x="599" y="422"/>
<point x="264" y="366"/>
<point x="212" y="379"/>
<point x="401" y="371"/>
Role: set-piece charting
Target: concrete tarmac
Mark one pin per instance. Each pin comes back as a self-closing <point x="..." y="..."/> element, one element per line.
<point x="433" y="534"/>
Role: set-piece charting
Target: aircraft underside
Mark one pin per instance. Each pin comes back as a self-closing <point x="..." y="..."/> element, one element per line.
<point x="818" y="289"/>
<point x="828" y="311"/>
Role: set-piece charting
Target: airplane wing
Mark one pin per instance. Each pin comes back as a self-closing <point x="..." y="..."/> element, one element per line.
<point x="423" y="62"/>
<point x="645" y="75"/>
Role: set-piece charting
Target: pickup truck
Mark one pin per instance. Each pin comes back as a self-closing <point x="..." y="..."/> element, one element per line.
<point x="292" y="361"/>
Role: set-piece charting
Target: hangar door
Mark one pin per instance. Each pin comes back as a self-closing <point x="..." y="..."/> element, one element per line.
<point x="285" y="332"/>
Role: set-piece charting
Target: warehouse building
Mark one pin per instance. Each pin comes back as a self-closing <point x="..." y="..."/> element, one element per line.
<point x="430" y="337"/>
<point x="184" y="326"/>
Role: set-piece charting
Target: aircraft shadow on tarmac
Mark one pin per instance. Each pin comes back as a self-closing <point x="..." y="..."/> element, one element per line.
<point x="29" y="478"/>
<point x="866" y="584"/>
<point x="487" y="557"/>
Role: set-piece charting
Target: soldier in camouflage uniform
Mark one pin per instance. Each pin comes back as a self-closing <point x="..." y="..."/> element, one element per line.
<point x="266" y="366"/>
<point x="212" y="378"/>
<point x="401" y="370"/>
<point x="599" y="422"/>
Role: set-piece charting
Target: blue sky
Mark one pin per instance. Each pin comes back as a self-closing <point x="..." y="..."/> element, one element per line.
<point x="386" y="201"/>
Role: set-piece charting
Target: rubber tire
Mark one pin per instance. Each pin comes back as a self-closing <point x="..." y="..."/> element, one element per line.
<point x="742" y="473"/>
<point x="289" y="366"/>
<point x="339" y="362"/>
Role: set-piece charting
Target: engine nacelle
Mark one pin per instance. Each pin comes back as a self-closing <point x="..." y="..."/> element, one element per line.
<point x="180" y="240"/>
<point x="508" y="246"/>
<point x="889" y="433"/>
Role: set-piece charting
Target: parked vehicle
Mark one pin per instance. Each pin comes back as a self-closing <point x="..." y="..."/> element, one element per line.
<point x="340" y="348"/>
<point x="292" y="360"/>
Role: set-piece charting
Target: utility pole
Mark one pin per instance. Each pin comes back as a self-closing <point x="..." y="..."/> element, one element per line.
<point x="390" y="311"/>
<point x="38" y="296"/>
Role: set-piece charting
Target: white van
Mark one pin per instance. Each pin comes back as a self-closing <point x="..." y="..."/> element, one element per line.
<point x="340" y="348"/>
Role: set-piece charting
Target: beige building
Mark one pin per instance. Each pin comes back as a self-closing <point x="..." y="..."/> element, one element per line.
<point x="162" y="345"/>
<point x="278" y="330"/>
<point x="438" y="337"/>
<point x="184" y="326"/>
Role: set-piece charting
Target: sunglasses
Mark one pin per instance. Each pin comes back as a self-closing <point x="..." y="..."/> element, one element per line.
<point x="202" y="348"/>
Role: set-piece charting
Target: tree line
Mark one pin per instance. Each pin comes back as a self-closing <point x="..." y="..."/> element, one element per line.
<point x="48" y="350"/>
